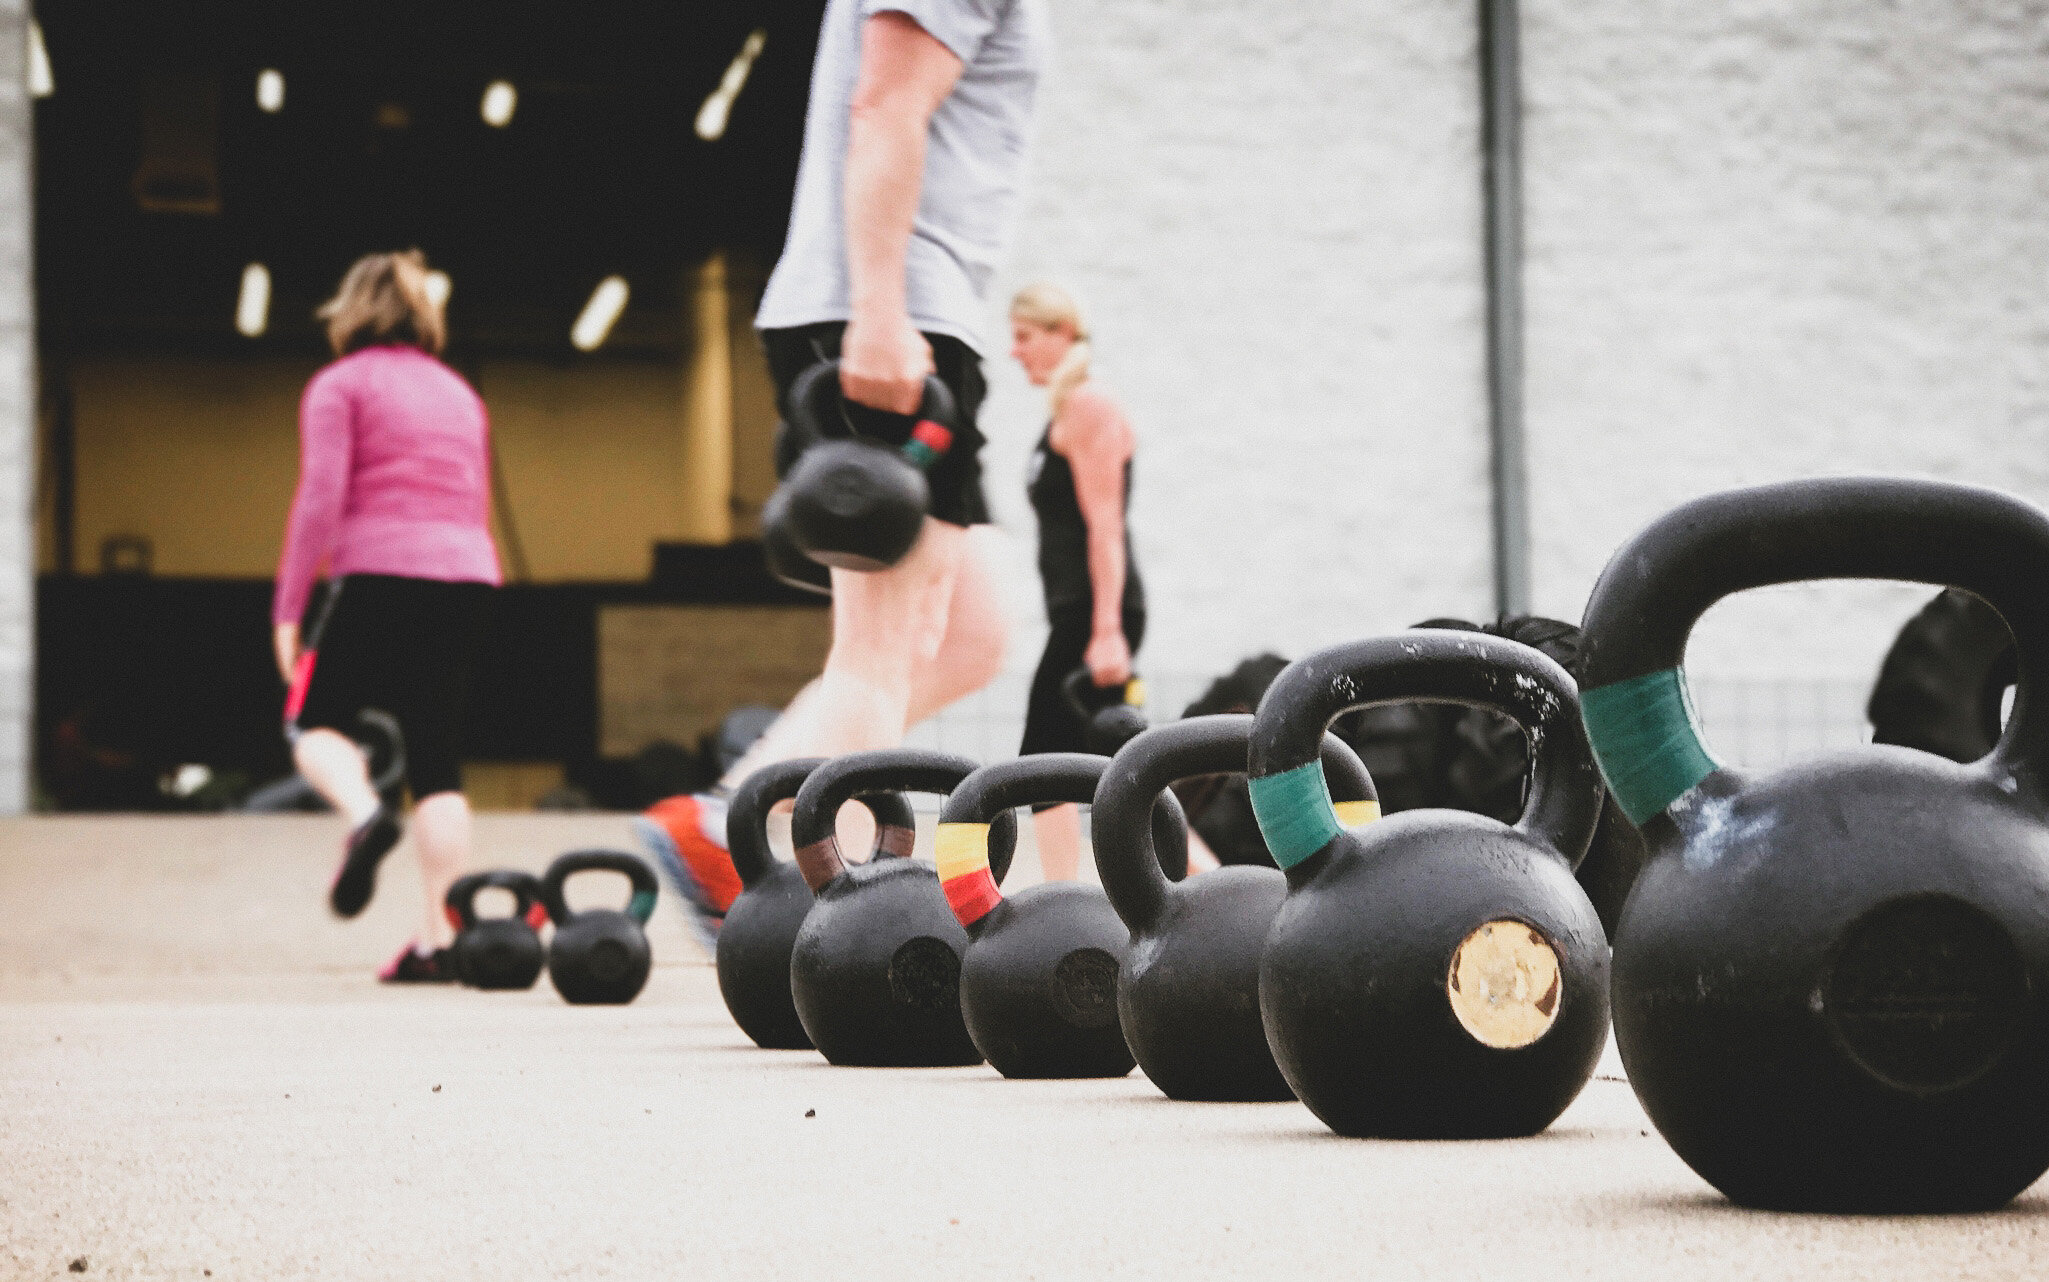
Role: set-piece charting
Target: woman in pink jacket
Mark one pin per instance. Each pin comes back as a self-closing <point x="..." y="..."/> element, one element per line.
<point x="393" y="501"/>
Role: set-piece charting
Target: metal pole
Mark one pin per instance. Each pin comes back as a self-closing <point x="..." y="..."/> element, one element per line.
<point x="1501" y="144"/>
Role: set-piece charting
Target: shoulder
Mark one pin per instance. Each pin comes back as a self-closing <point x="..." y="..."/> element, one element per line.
<point x="1090" y="414"/>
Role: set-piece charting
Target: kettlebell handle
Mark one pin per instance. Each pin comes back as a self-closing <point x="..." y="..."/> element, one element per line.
<point x="1149" y="765"/>
<point x="818" y="406"/>
<point x="747" y="816"/>
<point x="1075" y="687"/>
<point x="638" y="875"/>
<point x="1657" y="586"/>
<point x="970" y="884"/>
<point x="856" y="774"/>
<point x="1290" y="795"/>
<point x="460" y="904"/>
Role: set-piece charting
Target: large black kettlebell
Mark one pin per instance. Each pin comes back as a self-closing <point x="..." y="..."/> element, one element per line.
<point x="496" y="952"/>
<point x="761" y="927"/>
<point x="1438" y="974"/>
<point x="875" y="972"/>
<point x="1830" y="979"/>
<point x="1188" y="995"/>
<point x="1038" y="985"/>
<point x="849" y="501"/>
<point x="1105" y="727"/>
<point x="786" y="561"/>
<point x="599" y="956"/>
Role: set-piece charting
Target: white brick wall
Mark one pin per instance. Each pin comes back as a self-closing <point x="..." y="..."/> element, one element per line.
<point x="1767" y="239"/>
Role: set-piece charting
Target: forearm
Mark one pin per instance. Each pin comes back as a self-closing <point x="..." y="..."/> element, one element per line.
<point x="885" y="161"/>
<point x="1106" y="579"/>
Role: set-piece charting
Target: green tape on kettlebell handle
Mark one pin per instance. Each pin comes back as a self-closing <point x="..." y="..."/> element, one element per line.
<point x="1646" y="740"/>
<point x="641" y="906"/>
<point x="1295" y="813"/>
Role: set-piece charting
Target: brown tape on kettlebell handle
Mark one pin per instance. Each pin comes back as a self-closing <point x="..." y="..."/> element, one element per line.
<point x="820" y="862"/>
<point x="895" y="842"/>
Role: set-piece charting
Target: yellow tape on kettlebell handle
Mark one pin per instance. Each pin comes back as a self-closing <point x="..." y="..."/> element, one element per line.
<point x="1356" y="814"/>
<point x="962" y="852"/>
<point x="1134" y="692"/>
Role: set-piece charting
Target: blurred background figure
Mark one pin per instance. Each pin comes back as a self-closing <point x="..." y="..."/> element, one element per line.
<point x="394" y="502"/>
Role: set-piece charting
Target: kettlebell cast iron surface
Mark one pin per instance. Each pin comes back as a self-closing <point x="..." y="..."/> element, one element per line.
<point x="875" y="971"/>
<point x="1106" y="727"/>
<point x="1830" y="978"/>
<point x="1188" y="993"/>
<point x="851" y="502"/>
<point x="497" y="952"/>
<point x="600" y="956"/>
<point x="1038" y="984"/>
<point x="761" y="926"/>
<point x="1438" y="974"/>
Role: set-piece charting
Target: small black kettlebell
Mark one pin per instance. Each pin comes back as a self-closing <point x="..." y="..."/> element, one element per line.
<point x="761" y="926"/>
<point x="851" y="502"/>
<point x="496" y="952"/>
<point x="1830" y="978"/>
<point x="875" y="972"/>
<point x="1106" y="727"/>
<point x="1188" y="995"/>
<point x="1438" y="974"/>
<point x="1038" y="984"/>
<point x="599" y="956"/>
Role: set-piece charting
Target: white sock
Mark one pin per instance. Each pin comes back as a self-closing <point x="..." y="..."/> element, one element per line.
<point x="362" y="812"/>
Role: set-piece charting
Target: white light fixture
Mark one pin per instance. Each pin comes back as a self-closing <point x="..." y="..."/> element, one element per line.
<point x="270" y="90"/>
<point x="438" y="287"/>
<point x="41" y="81"/>
<point x="711" y="117"/>
<point x="252" y="308"/>
<point x="599" y="314"/>
<point x="500" y="101"/>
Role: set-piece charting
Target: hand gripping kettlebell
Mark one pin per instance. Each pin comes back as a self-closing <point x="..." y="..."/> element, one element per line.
<point x="599" y="956"/>
<point x="496" y="952"/>
<point x="1188" y="996"/>
<point x="1439" y="974"/>
<point x="1106" y="727"/>
<point x="851" y="502"/>
<point x="1830" y="979"/>
<point x="1038" y="984"/>
<point x="761" y="926"/>
<point x="875" y="971"/>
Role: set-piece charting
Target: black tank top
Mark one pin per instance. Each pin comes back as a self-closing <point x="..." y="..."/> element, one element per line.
<point x="1064" y="534"/>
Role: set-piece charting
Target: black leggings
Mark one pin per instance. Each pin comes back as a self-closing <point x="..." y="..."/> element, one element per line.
<point x="1050" y="725"/>
<point x="405" y="646"/>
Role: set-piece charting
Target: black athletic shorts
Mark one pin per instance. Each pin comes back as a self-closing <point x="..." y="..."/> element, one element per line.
<point x="404" y="646"/>
<point x="1050" y="724"/>
<point x="956" y="480"/>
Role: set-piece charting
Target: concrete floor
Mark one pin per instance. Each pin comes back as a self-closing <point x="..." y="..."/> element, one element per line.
<point x="199" y="1080"/>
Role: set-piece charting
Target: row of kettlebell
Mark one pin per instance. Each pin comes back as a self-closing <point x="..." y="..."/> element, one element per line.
<point x="596" y="956"/>
<point x="1831" y="983"/>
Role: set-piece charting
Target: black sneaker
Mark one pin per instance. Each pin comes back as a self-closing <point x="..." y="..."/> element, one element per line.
<point x="357" y="877"/>
<point x="412" y="966"/>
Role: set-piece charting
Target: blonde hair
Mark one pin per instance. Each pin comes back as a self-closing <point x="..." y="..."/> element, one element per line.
<point x="1049" y="306"/>
<point x="383" y="299"/>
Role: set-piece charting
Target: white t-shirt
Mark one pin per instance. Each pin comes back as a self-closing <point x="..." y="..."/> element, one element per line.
<point x="975" y="157"/>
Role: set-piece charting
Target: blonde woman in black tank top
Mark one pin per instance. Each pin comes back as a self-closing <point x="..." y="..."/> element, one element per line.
<point x="1080" y="486"/>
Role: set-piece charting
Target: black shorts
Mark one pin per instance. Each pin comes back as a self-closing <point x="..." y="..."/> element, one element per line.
<point x="405" y="646"/>
<point x="956" y="480"/>
<point x="1050" y="724"/>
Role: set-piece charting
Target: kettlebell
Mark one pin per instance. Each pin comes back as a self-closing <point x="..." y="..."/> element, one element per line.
<point x="599" y="956"/>
<point x="786" y="561"/>
<point x="1830" y="978"/>
<point x="761" y="927"/>
<point x="1038" y="983"/>
<point x="875" y="971"/>
<point x="496" y="952"/>
<point x="1438" y="974"/>
<point x="1188" y="995"/>
<point x="1106" y="727"/>
<point x="849" y="501"/>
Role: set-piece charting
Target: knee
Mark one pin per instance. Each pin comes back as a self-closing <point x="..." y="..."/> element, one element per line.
<point x="973" y="653"/>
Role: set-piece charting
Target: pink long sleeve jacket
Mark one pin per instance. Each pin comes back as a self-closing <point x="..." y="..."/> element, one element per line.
<point x="394" y="477"/>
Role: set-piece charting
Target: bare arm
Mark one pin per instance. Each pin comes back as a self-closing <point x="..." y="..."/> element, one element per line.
<point x="905" y="75"/>
<point x="1097" y="442"/>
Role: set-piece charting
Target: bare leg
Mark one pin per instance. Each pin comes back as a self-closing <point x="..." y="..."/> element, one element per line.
<point x="441" y="829"/>
<point x="1059" y="833"/>
<point x="334" y="765"/>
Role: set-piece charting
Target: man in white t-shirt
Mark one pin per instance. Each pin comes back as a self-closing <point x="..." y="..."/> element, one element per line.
<point x="913" y="171"/>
